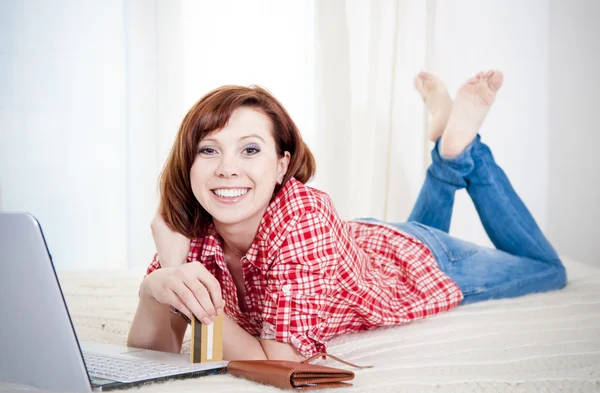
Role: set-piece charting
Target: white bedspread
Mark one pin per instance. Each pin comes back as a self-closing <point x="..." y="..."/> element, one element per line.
<point x="542" y="342"/>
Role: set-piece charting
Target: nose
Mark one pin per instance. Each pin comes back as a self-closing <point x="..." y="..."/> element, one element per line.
<point x="227" y="167"/>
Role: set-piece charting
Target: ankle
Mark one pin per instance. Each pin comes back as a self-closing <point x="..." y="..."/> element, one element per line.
<point x="449" y="150"/>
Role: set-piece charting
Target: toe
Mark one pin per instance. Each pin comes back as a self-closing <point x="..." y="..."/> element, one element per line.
<point x="418" y="82"/>
<point x="420" y="87"/>
<point x="426" y="75"/>
<point x="495" y="80"/>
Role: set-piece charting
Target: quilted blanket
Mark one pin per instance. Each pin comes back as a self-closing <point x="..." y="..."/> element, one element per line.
<point x="541" y="342"/>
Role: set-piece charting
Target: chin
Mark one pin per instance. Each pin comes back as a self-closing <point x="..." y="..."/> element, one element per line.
<point x="231" y="218"/>
<point x="230" y="215"/>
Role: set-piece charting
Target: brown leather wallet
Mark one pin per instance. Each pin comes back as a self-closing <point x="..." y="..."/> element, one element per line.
<point x="293" y="375"/>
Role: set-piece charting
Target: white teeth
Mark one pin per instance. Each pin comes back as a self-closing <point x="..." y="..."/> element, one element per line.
<point x="230" y="193"/>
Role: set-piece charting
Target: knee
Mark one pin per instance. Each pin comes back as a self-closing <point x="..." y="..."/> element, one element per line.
<point x="558" y="278"/>
<point x="561" y="276"/>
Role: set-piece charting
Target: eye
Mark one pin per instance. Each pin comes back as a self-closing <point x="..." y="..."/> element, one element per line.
<point x="251" y="150"/>
<point x="206" y="150"/>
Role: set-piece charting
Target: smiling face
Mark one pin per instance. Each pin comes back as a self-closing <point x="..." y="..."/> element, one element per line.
<point x="237" y="168"/>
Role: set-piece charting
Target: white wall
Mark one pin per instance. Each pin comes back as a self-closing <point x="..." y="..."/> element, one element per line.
<point x="62" y="125"/>
<point x="205" y="44"/>
<point x="511" y="36"/>
<point x="574" y="132"/>
<point x="92" y="95"/>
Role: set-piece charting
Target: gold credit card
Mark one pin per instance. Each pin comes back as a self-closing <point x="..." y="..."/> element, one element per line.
<point x="207" y="341"/>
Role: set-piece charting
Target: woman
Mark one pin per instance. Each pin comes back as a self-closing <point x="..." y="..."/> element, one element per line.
<point x="285" y="271"/>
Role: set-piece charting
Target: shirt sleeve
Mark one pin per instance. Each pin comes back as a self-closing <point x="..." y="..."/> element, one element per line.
<point x="299" y="282"/>
<point x="154" y="265"/>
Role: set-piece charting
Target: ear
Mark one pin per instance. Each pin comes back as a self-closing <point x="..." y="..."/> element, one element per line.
<point x="282" y="167"/>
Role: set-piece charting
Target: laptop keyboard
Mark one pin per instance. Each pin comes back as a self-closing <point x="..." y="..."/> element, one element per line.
<point x="129" y="370"/>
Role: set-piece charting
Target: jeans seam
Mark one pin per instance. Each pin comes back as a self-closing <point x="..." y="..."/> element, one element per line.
<point x="506" y="199"/>
<point x="451" y="256"/>
<point x="474" y="155"/>
<point x="502" y="287"/>
<point x="421" y="227"/>
<point x="458" y="186"/>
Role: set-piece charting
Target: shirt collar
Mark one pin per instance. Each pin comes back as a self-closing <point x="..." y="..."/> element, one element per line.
<point x="261" y="251"/>
<point x="212" y="246"/>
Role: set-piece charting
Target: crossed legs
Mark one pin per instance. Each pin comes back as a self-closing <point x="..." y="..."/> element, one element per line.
<point x="461" y="160"/>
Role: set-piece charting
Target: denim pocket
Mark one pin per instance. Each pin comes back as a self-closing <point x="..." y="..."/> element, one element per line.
<point x="455" y="249"/>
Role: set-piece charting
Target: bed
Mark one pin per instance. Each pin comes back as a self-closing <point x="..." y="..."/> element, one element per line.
<point x="541" y="342"/>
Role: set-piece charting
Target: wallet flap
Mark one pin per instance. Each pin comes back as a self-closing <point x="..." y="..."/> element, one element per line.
<point x="341" y="374"/>
<point x="318" y="381"/>
<point x="284" y="374"/>
<point x="263" y="371"/>
<point x="323" y="386"/>
<point x="304" y="378"/>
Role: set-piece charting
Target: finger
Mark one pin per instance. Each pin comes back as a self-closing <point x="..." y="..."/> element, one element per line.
<point x="201" y="294"/>
<point x="174" y="300"/>
<point x="213" y="287"/>
<point x="190" y="301"/>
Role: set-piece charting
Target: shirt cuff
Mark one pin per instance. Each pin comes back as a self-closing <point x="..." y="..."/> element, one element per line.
<point x="304" y="343"/>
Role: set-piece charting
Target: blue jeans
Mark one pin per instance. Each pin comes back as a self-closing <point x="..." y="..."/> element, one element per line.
<point x="523" y="261"/>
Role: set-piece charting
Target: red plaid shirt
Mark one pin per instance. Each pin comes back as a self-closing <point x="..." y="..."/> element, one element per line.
<point x="310" y="276"/>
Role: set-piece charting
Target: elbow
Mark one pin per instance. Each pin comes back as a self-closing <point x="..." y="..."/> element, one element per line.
<point x="132" y="344"/>
<point x="162" y="346"/>
<point x="279" y="351"/>
<point x="134" y="341"/>
<point x="155" y="344"/>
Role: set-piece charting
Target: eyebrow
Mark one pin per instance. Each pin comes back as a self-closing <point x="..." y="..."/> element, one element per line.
<point x="244" y="137"/>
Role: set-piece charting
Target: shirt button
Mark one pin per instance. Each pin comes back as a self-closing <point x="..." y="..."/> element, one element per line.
<point x="286" y="289"/>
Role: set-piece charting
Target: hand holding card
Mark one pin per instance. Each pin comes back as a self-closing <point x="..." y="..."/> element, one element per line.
<point x="207" y="341"/>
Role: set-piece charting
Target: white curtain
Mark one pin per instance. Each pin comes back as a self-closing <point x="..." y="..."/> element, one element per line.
<point x="62" y="125"/>
<point x="179" y="50"/>
<point x="512" y="36"/>
<point x="90" y="110"/>
<point x="370" y="126"/>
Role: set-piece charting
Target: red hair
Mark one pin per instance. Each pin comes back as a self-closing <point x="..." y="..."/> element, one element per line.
<point x="178" y="205"/>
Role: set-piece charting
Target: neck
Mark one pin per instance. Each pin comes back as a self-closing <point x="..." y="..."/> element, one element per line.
<point x="237" y="238"/>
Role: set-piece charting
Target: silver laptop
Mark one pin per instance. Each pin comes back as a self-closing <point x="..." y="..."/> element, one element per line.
<point x="38" y="344"/>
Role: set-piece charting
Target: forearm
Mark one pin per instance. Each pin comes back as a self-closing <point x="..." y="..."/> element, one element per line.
<point x="155" y="327"/>
<point x="173" y="249"/>
<point x="239" y="344"/>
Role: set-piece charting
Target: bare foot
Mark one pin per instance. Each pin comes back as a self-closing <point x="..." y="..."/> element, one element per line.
<point x="438" y="102"/>
<point x="473" y="101"/>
